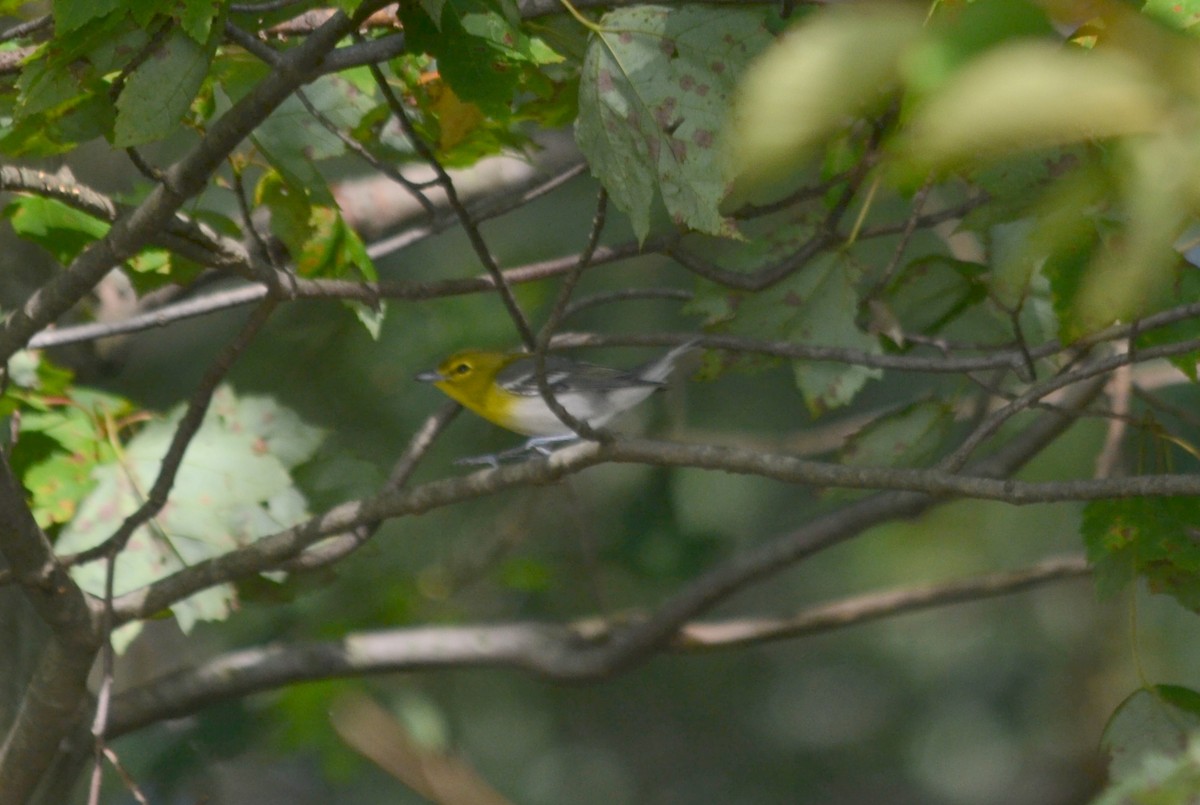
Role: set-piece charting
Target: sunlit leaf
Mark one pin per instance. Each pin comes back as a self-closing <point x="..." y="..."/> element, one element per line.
<point x="232" y="488"/>
<point x="61" y="230"/>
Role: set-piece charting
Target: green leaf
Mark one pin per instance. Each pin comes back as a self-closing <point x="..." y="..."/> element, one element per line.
<point x="1067" y="229"/>
<point x="1186" y="286"/>
<point x="526" y="575"/>
<point x="653" y="100"/>
<point x="61" y="230"/>
<point x="1155" y="538"/>
<point x="232" y="488"/>
<point x="70" y="15"/>
<point x="160" y="91"/>
<point x="1181" y="15"/>
<point x="817" y="306"/>
<point x="196" y="19"/>
<point x="1159" y="721"/>
<point x="77" y="439"/>
<point x="831" y="68"/>
<point x="480" y="48"/>
<point x="905" y="438"/>
<point x="1013" y="183"/>
<point x="294" y="140"/>
<point x="433" y="9"/>
<point x="932" y="291"/>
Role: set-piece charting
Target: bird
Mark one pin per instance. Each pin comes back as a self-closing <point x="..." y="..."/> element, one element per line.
<point x="502" y="388"/>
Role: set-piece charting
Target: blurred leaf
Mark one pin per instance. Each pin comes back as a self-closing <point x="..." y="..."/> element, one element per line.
<point x="232" y="488"/>
<point x="959" y="32"/>
<point x="1179" y="14"/>
<point x="653" y="99"/>
<point x="61" y="230"/>
<point x="1031" y="95"/>
<point x="160" y="91"/>
<point x="1160" y="721"/>
<point x="1157" y="180"/>
<point x="527" y="575"/>
<point x="1155" y="538"/>
<point x="814" y="81"/>
<point x="905" y="438"/>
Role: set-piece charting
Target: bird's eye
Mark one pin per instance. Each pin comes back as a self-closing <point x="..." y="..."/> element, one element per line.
<point x="462" y="368"/>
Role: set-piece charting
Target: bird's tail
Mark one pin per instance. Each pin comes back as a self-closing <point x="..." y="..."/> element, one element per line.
<point x="659" y="369"/>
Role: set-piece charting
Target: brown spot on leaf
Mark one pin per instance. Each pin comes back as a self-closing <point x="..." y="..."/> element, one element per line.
<point x="794" y="299"/>
<point x="717" y="67"/>
<point x="686" y="82"/>
<point x="604" y="80"/>
<point x="667" y="46"/>
<point x="702" y="138"/>
<point x="625" y="38"/>
<point x="678" y="149"/>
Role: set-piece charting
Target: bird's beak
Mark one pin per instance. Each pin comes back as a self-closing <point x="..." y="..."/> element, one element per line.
<point x="429" y="377"/>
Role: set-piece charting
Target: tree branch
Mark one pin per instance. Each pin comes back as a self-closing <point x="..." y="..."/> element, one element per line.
<point x="913" y="491"/>
<point x="527" y="645"/>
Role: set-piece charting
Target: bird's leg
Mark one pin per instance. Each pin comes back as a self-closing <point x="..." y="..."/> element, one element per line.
<point x="539" y="445"/>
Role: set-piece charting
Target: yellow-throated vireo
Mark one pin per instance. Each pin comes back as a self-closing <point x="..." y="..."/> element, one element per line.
<point x="502" y="388"/>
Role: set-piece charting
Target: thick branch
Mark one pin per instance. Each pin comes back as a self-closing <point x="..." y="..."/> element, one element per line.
<point x="530" y="646"/>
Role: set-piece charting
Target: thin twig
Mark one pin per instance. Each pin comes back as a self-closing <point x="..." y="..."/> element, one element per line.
<point x="468" y="224"/>
<point x="584" y="429"/>
<point x="357" y="148"/>
<point x="910" y="227"/>
<point x="337" y="547"/>
<point x="42" y="23"/>
<point x="625" y="295"/>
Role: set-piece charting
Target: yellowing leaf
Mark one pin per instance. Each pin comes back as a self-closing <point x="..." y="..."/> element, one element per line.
<point x="456" y="118"/>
